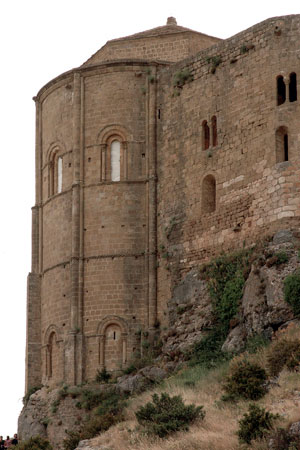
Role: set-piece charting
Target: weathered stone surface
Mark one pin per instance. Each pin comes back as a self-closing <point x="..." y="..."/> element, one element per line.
<point x="140" y="381"/>
<point x="39" y="417"/>
<point x="263" y="308"/>
<point x="236" y="339"/>
<point x="283" y="236"/>
<point x="295" y="429"/>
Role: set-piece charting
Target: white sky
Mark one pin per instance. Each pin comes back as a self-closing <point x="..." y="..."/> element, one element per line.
<point x="40" y="39"/>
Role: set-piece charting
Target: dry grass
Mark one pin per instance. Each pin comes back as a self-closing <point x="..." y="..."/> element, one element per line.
<point x="218" y="429"/>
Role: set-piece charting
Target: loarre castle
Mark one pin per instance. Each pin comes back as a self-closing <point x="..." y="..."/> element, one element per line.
<point x="164" y="149"/>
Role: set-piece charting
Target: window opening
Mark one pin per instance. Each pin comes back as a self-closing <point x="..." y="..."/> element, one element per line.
<point x="286" y="147"/>
<point x="214" y="131"/>
<point x="282" y="145"/>
<point x="59" y="174"/>
<point x="205" y="135"/>
<point x="281" y="90"/>
<point x="208" y="194"/>
<point x="293" y="87"/>
<point x="115" y="155"/>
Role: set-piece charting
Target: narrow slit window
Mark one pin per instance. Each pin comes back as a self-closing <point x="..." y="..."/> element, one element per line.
<point x="286" y="147"/>
<point x="281" y="90"/>
<point x="209" y="194"/>
<point x="293" y="87"/>
<point x="214" y="131"/>
<point x="205" y="135"/>
<point x="59" y="174"/>
<point x="282" y="145"/>
<point x="115" y="160"/>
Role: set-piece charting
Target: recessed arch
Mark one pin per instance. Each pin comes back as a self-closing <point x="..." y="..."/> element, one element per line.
<point x="113" y="141"/>
<point x="52" y="329"/>
<point x="281" y="90"/>
<point x="55" y="168"/>
<point x="293" y="87"/>
<point x="214" y="131"/>
<point x="113" y="336"/>
<point x="205" y="135"/>
<point x="208" y="194"/>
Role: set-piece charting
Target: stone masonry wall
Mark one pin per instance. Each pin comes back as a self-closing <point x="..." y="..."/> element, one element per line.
<point x="108" y="254"/>
<point x="254" y="193"/>
<point x="170" y="47"/>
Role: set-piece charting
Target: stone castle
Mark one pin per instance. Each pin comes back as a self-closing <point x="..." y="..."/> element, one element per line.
<point x="164" y="149"/>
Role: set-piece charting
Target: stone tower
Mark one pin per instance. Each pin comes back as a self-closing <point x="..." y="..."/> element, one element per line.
<point x="93" y="283"/>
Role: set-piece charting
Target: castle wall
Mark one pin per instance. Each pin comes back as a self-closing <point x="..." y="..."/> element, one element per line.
<point x="145" y="171"/>
<point x="253" y="192"/>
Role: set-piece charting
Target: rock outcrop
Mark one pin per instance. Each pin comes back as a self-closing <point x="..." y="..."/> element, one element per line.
<point x="263" y="309"/>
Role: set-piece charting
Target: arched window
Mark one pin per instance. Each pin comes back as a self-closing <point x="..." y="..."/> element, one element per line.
<point x="55" y="173"/>
<point x="59" y="174"/>
<point x="113" y="142"/>
<point x="113" y="349"/>
<point x="293" y="87"/>
<point x="282" y="145"/>
<point x="214" y="131"/>
<point x="205" y="135"/>
<point x="115" y="160"/>
<point x="281" y="90"/>
<point x="208" y="194"/>
<point x="52" y="354"/>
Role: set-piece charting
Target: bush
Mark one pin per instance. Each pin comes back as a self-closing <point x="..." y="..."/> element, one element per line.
<point x="107" y="410"/>
<point x="283" y="353"/>
<point x="207" y="352"/>
<point x="92" y="427"/>
<point x="282" y="440"/>
<point x="103" y="376"/>
<point x="227" y="307"/>
<point x="277" y="259"/>
<point x="245" y="380"/>
<point x="111" y="403"/>
<point x="291" y="291"/>
<point x="31" y="391"/>
<point x="72" y="440"/>
<point x="34" y="443"/>
<point x="255" y="423"/>
<point x="168" y="414"/>
<point x="226" y="277"/>
<point x="256" y="342"/>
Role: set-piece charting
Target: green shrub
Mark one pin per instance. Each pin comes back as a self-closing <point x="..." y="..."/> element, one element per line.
<point x="130" y="369"/>
<point x="182" y="77"/>
<point x="111" y="402"/>
<point x="167" y="414"/>
<point x="256" y="342"/>
<point x="92" y="427"/>
<point x="103" y="376"/>
<point x="31" y="391"/>
<point x="227" y="307"/>
<point x="99" y="424"/>
<point x="245" y="380"/>
<point x="226" y="277"/>
<point x="207" y="352"/>
<point x="277" y="259"/>
<point x="72" y="440"/>
<point x="34" y="443"/>
<point x="283" y="440"/>
<point x="255" y="424"/>
<point x="291" y="291"/>
<point x="283" y="353"/>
